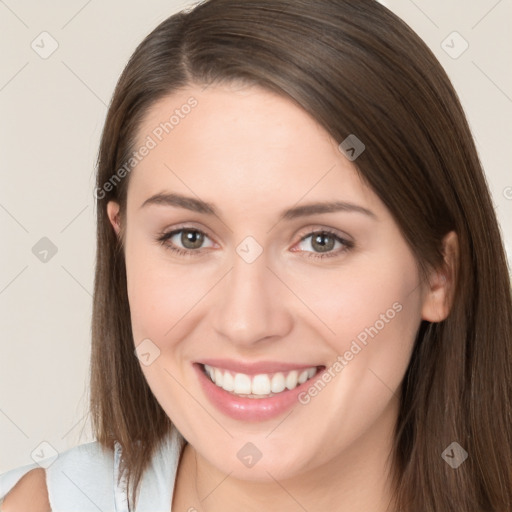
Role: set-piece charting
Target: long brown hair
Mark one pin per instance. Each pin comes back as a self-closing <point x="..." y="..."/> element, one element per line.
<point x="357" y="69"/>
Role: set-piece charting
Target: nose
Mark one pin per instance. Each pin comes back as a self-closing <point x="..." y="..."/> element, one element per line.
<point x="251" y="305"/>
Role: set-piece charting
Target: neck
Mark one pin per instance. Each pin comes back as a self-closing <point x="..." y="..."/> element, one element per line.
<point x="355" y="480"/>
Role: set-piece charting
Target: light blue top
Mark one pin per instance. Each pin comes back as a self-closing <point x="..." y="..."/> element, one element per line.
<point x="84" y="478"/>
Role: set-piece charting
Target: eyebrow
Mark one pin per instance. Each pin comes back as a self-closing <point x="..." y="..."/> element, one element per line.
<point x="199" y="206"/>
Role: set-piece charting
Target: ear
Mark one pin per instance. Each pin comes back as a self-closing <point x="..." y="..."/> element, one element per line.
<point x="114" y="217"/>
<point x="441" y="285"/>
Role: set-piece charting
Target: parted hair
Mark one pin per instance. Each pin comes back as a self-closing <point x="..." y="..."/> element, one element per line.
<point x="356" y="68"/>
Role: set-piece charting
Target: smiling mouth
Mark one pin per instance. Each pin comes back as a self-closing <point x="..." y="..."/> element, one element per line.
<point x="262" y="385"/>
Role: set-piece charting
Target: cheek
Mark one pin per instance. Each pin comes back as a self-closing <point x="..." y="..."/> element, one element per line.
<point x="161" y="294"/>
<point x="375" y="316"/>
<point x="364" y="301"/>
<point x="373" y="313"/>
<point x="148" y="290"/>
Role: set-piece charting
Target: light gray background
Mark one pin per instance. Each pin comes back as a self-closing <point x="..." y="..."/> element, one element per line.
<point x="52" y="113"/>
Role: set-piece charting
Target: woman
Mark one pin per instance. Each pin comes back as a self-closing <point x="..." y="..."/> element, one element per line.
<point x="301" y="298"/>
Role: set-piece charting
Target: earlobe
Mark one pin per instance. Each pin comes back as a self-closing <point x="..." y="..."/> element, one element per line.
<point x="441" y="286"/>
<point x="114" y="217"/>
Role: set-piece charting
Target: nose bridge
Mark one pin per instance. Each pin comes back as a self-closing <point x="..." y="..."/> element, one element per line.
<point x="249" y="305"/>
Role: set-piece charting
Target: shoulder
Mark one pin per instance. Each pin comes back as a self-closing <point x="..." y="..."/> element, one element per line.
<point x="76" y="475"/>
<point x="30" y="494"/>
<point x="90" y="473"/>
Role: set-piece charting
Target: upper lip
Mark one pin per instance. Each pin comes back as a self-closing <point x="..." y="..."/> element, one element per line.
<point x="254" y="368"/>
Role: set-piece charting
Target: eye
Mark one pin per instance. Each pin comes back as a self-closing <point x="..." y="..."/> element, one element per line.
<point x="188" y="241"/>
<point x="184" y="241"/>
<point x="324" y="242"/>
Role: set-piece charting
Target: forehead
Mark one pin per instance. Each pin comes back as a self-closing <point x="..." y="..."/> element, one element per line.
<point x="240" y="143"/>
<point x="232" y="114"/>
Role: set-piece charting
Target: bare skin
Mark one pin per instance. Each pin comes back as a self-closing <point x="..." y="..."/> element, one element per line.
<point x="29" y="494"/>
<point x="252" y="154"/>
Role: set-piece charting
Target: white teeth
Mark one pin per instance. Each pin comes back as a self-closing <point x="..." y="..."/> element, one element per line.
<point x="219" y="377"/>
<point x="228" y="382"/>
<point x="261" y="385"/>
<point x="278" y="383"/>
<point x="303" y="377"/>
<point x="242" y="384"/>
<point x="291" y="379"/>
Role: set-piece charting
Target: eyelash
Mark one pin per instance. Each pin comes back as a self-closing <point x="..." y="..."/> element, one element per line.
<point x="163" y="239"/>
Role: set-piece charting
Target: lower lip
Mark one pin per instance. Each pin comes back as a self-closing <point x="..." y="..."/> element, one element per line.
<point x="250" y="409"/>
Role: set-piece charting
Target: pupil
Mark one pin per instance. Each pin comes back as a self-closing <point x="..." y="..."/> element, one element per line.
<point x="320" y="240"/>
<point x="191" y="239"/>
<point x="194" y="240"/>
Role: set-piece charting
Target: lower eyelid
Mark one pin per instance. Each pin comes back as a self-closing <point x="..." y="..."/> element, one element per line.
<point x="338" y="238"/>
<point x="164" y="239"/>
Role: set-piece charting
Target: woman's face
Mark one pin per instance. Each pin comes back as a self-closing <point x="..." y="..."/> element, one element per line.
<point x="235" y="261"/>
